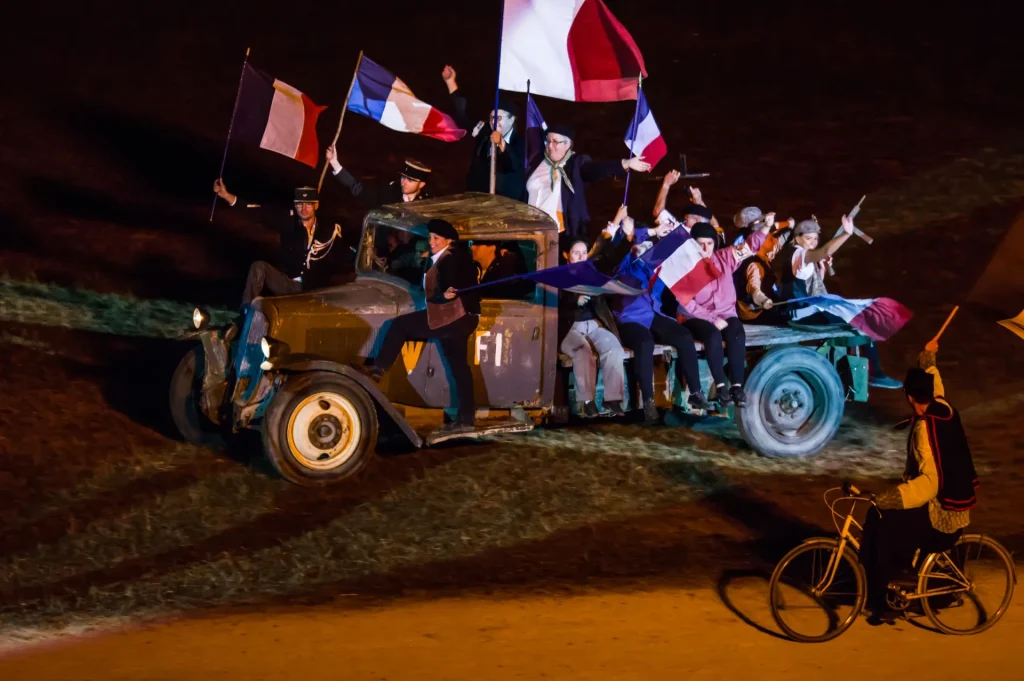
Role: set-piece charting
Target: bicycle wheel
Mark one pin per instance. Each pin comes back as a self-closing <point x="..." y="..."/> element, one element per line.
<point x="970" y="585"/>
<point x="810" y="602"/>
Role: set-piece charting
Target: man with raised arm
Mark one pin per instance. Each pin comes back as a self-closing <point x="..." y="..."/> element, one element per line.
<point x="408" y="187"/>
<point x="932" y="504"/>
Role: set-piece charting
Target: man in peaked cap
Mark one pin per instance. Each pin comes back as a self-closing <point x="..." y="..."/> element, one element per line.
<point x="408" y="187"/>
<point x="305" y="244"/>
<point x="450" y="317"/>
<point x="510" y="161"/>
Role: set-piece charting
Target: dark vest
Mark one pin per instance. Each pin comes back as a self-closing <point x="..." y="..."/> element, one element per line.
<point x="957" y="477"/>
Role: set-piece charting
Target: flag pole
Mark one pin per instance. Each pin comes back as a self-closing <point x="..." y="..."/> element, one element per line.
<point x="526" y="122"/>
<point x="344" y="108"/>
<point x="231" y="125"/>
<point x="497" y="89"/>
<point x="632" y="135"/>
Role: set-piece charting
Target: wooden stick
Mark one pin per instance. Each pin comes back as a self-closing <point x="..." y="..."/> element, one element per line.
<point x="948" y="320"/>
<point x="344" y="108"/>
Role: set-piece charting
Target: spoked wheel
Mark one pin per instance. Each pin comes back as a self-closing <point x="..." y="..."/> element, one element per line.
<point x="971" y="585"/>
<point x="815" y="592"/>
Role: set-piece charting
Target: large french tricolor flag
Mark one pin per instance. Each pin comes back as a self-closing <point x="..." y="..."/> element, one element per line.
<point x="643" y="137"/>
<point x="878" y="318"/>
<point x="677" y="261"/>
<point x="277" y="117"/>
<point x="378" y="94"/>
<point x="569" y="49"/>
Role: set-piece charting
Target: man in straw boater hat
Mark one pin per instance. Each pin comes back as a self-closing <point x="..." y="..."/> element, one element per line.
<point x="557" y="181"/>
<point x="450" y="317"/>
<point x="510" y="159"/>
<point x="408" y="187"/>
<point x="305" y="243"/>
<point x="932" y="504"/>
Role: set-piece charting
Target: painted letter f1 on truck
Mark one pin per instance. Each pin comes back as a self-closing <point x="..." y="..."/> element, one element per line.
<point x="285" y="367"/>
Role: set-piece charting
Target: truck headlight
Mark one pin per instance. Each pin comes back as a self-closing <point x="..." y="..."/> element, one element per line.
<point x="200" y="318"/>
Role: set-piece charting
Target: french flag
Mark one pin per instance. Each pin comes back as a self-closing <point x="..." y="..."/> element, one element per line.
<point x="877" y="318"/>
<point x="277" y="117"/>
<point x="378" y="94"/>
<point x="569" y="49"/>
<point x="677" y="261"/>
<point x="643" y="137"/>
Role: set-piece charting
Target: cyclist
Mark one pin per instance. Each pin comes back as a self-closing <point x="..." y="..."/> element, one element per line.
<point x="931" y="506"/>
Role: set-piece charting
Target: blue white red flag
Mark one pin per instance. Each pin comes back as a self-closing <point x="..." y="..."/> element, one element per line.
<point x="677" y="261"/>
<point x="878" y="318"/>
<point x="535" y="131"/>
<point x="643" y="138"/>
<point x="378" y="94"/>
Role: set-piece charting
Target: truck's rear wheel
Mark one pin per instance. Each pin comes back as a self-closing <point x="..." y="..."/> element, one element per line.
<point x="319" y="428"/>
<point x="794" y="405"/>
<point x="184" y="396"/>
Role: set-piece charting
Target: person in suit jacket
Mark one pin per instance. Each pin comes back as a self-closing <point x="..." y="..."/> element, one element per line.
<point x="450" y="317"/>
<point x="556" y="183"/>
<point x="409" y="186"/>
<point x="510" y="162"/>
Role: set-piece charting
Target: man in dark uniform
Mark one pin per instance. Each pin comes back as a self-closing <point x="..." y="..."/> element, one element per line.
<point x="510" y="163"/>
<point x="305" y="245"/>
<point x="450" y="317"/>
<point x="408" y="187"/>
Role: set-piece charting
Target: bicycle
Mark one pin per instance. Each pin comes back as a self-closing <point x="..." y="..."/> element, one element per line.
<point x="948" y="583"/>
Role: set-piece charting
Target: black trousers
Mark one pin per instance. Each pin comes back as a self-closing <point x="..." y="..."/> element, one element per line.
<point x="735" y="347"/>
<point x="640" y="339"/>
<point x="888" y="546"/>
<point x="265" y="277"/>
<point x="452" y="338"/>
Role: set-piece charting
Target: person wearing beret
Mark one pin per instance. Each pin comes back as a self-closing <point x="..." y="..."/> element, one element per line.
<point x="305" y="244"/>
<point x="695" y="209"/>
<point x="557" y="182"/>
<point x="408" y="187"/>
<point x="932" y="505"/>
<point x="450" y="317"/>
<point x="510" y="162"/>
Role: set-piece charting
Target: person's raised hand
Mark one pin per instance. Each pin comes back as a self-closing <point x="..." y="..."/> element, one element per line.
<point x="696" y="196"/>
<point x="847" y="225"/>
<point x="628" y="226"/>
<point x="448" y="74"/>
<point x="638" y="164"/>
<point x="219" y="189"/>
<point x="671" y="178"/>
<point x="497" y="139"/>
<point x="932" y="346"/>
<point x="620" y="214"/>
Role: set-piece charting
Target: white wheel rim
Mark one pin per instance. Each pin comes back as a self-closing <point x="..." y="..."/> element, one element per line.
<point x="324" y="431"/>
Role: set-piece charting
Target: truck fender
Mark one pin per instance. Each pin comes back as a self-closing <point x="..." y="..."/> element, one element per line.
<point x="301" y="363"/>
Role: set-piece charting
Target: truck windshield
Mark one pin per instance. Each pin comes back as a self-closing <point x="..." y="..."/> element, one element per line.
<point x="399" y="252"/>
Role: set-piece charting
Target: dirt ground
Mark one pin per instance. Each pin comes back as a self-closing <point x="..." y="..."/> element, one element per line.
<point x="113" y="141"/>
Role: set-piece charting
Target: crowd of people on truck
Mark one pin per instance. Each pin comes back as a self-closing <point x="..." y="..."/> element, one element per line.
<point x="595" y="331"/>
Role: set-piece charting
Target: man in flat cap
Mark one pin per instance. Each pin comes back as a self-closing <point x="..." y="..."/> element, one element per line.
<point x="450" y="317"/>
<point x="408" y="187"/>
<point x="305" y="244"/>
<point x="558" y="180"/>
<point x="510" y="160"/>
<point x="932" y="505"/>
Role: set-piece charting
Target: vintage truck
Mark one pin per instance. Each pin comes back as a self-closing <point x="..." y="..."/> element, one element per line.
<point x="284" y="368"/>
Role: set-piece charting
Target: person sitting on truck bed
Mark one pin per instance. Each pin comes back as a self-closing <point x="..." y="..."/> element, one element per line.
<point x="450" y="317"/>
<point x="711" y="314"/>
<point x="805" y="276"/>
<point x="586" y="326"/>
<point x="496" y="261"/>
<point x="642" y="321"/>
<point x="756" y="285"/>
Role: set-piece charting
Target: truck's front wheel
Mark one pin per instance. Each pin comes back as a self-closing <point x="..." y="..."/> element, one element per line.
<point x="319" y="428"/>
<point x="794" y="404"/>
<point x="184" y="397"/>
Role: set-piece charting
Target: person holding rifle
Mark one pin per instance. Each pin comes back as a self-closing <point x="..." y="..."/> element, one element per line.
<point x="805" y="277"/>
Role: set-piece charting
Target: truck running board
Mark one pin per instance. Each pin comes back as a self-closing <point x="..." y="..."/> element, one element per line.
<point x="482" y="430"/>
